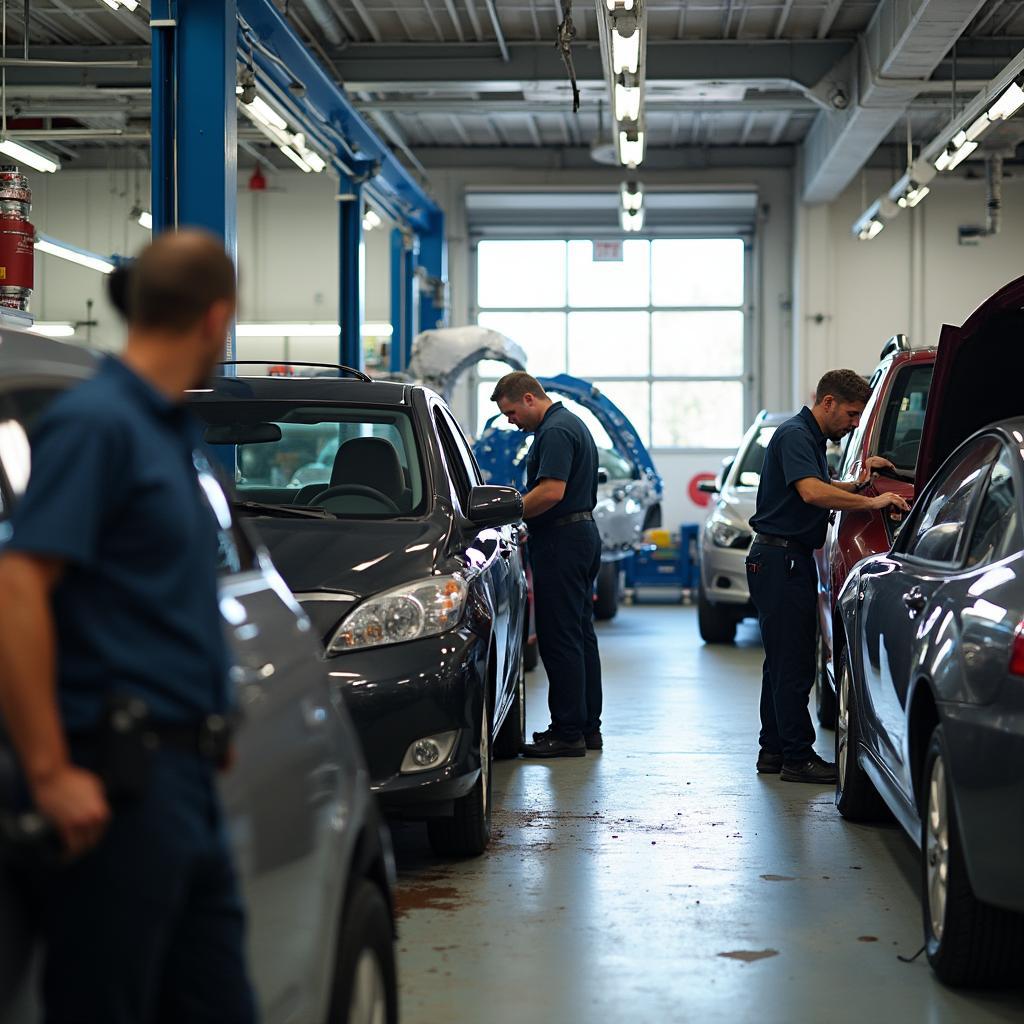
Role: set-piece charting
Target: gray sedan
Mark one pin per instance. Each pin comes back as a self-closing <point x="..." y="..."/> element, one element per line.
<point x="929" y="648"/>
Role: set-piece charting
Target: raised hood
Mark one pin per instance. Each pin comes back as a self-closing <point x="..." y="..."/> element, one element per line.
<point x="978" y="378"/>
<point x="441" y="356"/>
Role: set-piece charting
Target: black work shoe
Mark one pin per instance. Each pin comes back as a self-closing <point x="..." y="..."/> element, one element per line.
<point x="768" y="763"/>
<point x="552" y="746"/>
<point x="814" y="770"/>
<point x="544" y="734"/>
<point x="594" y="740"/>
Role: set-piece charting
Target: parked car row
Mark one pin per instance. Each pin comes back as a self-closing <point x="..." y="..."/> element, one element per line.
<point x="921" y="653"/>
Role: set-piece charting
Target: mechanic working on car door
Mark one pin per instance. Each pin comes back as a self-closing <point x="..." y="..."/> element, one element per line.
<point x="794" y="498"/>
<point x="565" y="552"/>
<point x="114" y="667"/>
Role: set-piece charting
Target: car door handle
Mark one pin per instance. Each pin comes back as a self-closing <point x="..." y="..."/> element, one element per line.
<point x="914" y="600"/>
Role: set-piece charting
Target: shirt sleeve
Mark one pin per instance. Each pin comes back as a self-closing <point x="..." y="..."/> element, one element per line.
<point x="554" y="461"/>
<point x="77" y="474"/>
<point x="799" y="458"/>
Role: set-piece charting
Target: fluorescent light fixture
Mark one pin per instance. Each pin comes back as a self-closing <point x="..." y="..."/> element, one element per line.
<point x="315" y="161"/>
<point x="871" y="230"/>
<point x="961" y="155"/>
<point x="631" y="221"/>
<point x="632" y="196"/>
<point x="130" y="4"/>
<point x="295" y="158"/>
<point x="631" y="148"/>
<point x="36" y="158"/>
<point x="146" y="220"/>
<point x="371" y="220"/>
<point x="53" y="329"/>
<point x="266" y="114"/>
<point x="377" y="329"/>
<point x="619" y="5"/>
<point x="112" y="4"/>
<point x="978" y="128"/>
<point x="913" y="196"/>
<point x="371" y="329"/>
<point x="959" y="139"/>
<point x="627" y="102"/>
<point x="945" y="158"/>
<point x="1008" y="104"/>
<point x="626" y="48"/>
<point x="80" y="256"/>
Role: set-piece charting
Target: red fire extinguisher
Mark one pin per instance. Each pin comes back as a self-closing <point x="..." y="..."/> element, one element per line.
<point x="17" y="239"/>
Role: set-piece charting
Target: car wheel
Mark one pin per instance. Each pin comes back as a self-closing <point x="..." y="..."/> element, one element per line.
<point x="365" y="982"/>
<point x="824" y="695"/>
<point x="467" y="833"/>
<point x="856" y="796"/>
<point x="717" y="623"/>
<point x="607" y="604"/>
<point x="512" y="735"/>
<point x="969" y="943"/>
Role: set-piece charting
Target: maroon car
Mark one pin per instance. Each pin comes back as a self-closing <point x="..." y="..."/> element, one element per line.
<point x="924" y="403"/>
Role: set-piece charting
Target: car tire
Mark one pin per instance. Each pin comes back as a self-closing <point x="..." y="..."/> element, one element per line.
<point x="969" y="943"/>
<point x="856" y="796"/>
<point x="606" y="606"/>
<point x="365" y="980"/>
<point x="467" y="833"/>
<point x="512" y="734"/>
<point x="825" y="705"/>
<point x="717" y="624"/>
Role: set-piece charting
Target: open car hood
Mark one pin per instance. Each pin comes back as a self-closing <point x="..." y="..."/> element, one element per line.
<point x="979" y="369"/>
<point x="441" y="356"/>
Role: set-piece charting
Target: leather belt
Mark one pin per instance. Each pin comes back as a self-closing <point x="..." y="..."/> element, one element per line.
<point x="566" y="520"/>
<point x="782" y="542"/>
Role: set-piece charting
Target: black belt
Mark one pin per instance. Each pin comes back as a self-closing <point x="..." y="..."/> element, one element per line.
<point x="208" y="737"/>
<point x="782" y="542"/>
<point x="572" y="517"/>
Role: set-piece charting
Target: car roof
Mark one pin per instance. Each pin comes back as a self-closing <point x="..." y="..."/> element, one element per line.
<point x="307" y="389"/>
<point x="22" y="351"/>
<point x="773" y="419"/>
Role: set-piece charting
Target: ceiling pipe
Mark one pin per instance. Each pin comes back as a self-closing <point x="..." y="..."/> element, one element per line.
<point x="325" y="19"/>
<point x="499" y="35"/>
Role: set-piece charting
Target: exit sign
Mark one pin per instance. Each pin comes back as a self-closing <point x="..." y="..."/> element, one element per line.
<point x="607" y="252"/>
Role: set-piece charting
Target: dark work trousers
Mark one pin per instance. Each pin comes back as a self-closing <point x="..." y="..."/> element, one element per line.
<point x="565" y="562"/>
<point x="784" y="589"/>
<point x="148" y="927"/>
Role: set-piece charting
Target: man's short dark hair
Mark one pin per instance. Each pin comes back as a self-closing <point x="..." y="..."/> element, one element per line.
<point x="174" y="281"/>
<point x="843" y="386"/>
<point x="513" y="386"/>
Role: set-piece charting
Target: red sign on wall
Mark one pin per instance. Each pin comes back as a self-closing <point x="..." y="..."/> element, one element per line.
<point x="701" y="498"/>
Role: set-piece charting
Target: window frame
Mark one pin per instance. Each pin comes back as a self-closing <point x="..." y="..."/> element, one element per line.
<point x="1013" y="459"/>
<point x="898" y="390"/>
<point x="750" y="342"/>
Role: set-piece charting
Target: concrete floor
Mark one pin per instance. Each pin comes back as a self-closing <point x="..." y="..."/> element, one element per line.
<point x="663" y="880"/>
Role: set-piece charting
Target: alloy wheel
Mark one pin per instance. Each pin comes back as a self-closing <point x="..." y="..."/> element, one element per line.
<point x="369" y="1003"/>
<point x="937" y="848"/>
<point x="843" y="726"/>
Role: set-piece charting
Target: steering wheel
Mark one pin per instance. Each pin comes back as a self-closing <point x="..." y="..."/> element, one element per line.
<point x="359" y="490"/>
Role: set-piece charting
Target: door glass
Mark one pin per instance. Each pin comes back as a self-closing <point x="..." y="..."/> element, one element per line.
<point x="947" y="509"/>
<point x="996" y="531"/>
<point x="456" y="469"/>
<point x="753" y="458"/>
<point x="463" y="449"/>
<point x="25" y="408"/>
<point x="903" y="421"/>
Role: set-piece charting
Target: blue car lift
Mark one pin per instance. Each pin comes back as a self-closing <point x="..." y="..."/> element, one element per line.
<point x="197" y="45"/>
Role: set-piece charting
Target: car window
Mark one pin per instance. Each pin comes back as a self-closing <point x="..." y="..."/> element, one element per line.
<point x="749" y="474"/>
<point x="353" y="461"/>
<point x="21" y="409"/>
<point x="942" y="519"/>
<point x="996" y="532"/>
<point x="903" y="419"/>
<point x="456" y="467"/>
<point x="462" y="447"/>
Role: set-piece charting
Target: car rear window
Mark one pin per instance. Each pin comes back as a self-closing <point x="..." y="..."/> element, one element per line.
<point x="753" y="458"/>
<point x="900" y="437"/>
<point x="352" y="461"/>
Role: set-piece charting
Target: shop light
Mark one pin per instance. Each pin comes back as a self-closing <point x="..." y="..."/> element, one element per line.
<point x="146" y="220"/>
<point x="631" y="148"/>
<point x="84" y="258"/>
<point x="960" y="139"/>
<point x="620" y="5"/>
<point x="871" y="230"/>
<point x="631" y="221"/>
<point x="53" y="329"/>
<point x="114" y="5"/>
<point x="36" y="158"/>
<point x="1008" y="104"/>
<point x="632" y="196"/>
<point x="376" y="329"/>
<point x="627" y="102"/>
<point x="978" y="127"/>
<point x="295" y="158"/>
<point x="943" y="161"/>
<point x="266" y="114"/>
<point x="625" y="46"/>
<point x="961" y="154"/>
<point x="371" y="220"/>
<point x="913" y="196"/>
<point x="315" y="161"/>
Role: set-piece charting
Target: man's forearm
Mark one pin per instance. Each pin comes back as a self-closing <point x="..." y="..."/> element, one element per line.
<point x="830" y="496"/>
<point x="544" y="497"/>
<point x="28" y="697"/>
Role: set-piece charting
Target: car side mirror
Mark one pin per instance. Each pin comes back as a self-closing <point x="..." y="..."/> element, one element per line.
<point x="708" y="486"/>
<point x="494" y="506"/>
<point x="602" y="476"/>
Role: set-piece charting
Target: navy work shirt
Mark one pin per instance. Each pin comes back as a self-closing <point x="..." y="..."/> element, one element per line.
<point x="563" y="449"/>
<point x="114" y="494"/>
<point x="795" y="452"/>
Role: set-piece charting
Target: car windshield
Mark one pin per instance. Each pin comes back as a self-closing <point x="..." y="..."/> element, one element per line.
<point x="753" y="458"/>
<point x="350" y="461"/>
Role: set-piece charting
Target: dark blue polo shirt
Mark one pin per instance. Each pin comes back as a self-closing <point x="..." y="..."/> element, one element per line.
<point x="795" y="452"/>
<point x="563" y="449"/>
<point x="114" y="494"/>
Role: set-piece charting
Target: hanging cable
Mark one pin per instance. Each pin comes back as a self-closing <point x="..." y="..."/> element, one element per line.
<point x="563" y="43"/>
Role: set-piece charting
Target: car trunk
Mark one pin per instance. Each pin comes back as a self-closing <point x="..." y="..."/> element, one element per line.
<point x="979" y="368"/>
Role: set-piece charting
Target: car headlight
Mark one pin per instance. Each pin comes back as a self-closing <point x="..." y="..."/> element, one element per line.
<point x="726" y="535"/>
<point x="417" y="610"/>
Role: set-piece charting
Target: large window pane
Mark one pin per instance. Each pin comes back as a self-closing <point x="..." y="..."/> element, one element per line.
<point x="520" y="274"/>
<point x="626" y="283"/>
<point x="704" y="414"/>
<point x="542" y="335"/>
<point x="698" y="344"/>
<point x="697" y="272"/>
<point x="634" y="399"/>
<point x="603" y="344"/>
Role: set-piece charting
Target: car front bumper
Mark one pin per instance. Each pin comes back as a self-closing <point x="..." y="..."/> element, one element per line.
<point x="398" y="694"/>
<point x="724" y="573"/>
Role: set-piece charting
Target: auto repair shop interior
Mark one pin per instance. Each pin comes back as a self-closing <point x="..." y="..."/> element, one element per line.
<point x="678" y="215"/>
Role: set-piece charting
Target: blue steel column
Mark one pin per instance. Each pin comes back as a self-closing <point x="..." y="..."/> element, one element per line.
<point x="434" y="259"/>
<point x="350" y="277"/>
<point x="410" y="297"/>
<point x="398" y="311"/>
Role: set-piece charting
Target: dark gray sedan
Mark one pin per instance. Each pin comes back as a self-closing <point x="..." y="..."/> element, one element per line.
<point x="930" y="659"/>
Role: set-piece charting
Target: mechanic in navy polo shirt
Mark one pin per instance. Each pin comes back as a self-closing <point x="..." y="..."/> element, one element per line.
<point x="114" y="666"/>
<point x="794" y="498"/>
<point x="565" y="553"/>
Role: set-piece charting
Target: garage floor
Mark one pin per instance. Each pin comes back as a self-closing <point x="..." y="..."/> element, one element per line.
<point x="662" y="880"/>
